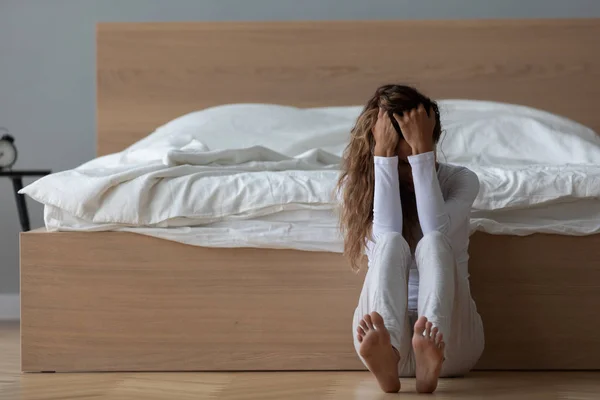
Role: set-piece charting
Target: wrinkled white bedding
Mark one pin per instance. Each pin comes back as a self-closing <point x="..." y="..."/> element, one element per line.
<point x="252" y="174"/>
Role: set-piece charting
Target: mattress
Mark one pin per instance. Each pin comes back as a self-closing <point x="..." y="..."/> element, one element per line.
<point x="259" y="175"/>
<point x="314" y="230"/>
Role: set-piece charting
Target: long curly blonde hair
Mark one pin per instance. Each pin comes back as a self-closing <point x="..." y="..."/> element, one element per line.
<point x="357" y="180"/>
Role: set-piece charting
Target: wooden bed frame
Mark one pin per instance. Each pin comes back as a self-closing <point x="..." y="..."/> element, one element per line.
<point x="116" y="301"/>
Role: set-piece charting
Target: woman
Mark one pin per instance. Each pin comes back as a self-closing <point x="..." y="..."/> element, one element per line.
<point x="410" y="215"/>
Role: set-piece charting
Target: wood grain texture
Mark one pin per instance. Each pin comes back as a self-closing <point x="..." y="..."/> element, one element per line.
<point x="125" y="302"/>
<point x="118" y="301"/>
<point x="322" y="385"/>
<point x="151" y="73"/>
<point x="538" y="296"/>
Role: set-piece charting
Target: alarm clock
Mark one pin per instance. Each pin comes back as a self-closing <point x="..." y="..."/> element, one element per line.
<point x="8" y="151"/>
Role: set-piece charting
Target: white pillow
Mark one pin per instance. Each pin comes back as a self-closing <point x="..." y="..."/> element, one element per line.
<point x="496" y="134"/>
<point x="475" y="133"/>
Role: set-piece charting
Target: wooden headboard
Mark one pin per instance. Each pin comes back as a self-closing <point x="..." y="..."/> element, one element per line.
<point x="150" y="73"/>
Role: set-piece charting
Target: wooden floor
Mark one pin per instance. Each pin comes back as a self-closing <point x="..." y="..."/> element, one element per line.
<point x="279" y="386"/>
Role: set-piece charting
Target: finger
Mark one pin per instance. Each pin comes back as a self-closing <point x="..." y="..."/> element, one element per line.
<point x="395" y="125"/>
<point x="381" y="113"/>
<point x="388" y="122"/>
<point x="398" y="118"/>
<point x="421" y="108"/>
<point x="432" y="115"/>
<point x="404" y="116"/>
<point x="404" y="120"/>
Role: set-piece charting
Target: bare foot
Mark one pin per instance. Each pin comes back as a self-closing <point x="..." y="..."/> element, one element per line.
<point x="377" y="351"/>
<point x="429" y="355"/>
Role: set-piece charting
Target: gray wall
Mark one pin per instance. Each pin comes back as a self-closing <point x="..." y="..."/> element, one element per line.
<point x="47" y="61"/>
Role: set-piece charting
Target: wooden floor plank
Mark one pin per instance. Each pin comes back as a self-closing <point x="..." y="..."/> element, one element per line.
<point x="273" y="385"/>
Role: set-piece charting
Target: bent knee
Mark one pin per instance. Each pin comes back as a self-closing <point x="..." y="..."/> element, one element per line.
<point x="435" y="239"/>
<point x="392" y="241"/>
<point x="391" y="244"/>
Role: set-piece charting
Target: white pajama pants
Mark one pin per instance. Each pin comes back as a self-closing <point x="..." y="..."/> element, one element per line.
<point x="444" y="298"/>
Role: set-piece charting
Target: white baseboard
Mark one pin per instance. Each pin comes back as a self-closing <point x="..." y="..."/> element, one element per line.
<point x="10" y="309"/>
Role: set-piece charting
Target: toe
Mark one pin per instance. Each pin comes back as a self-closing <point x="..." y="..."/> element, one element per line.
<point x="434" y="333"/>
<point x="420" y="326"/>
<point x="377" y="320"/>
<point x="428" y="329"/>
<point x="368" y="320"/>
<point x="442" y="345"/>
<point x="360" y="331"/>
<point x="363" y="325"/>
<point x="439" y="339"/>
<point x="360" y="338"/>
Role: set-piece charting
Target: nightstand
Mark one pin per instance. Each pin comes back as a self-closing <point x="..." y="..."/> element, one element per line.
<point x="17" y="179"/>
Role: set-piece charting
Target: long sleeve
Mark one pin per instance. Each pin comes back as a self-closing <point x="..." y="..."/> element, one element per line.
<point x="435" y="212"/>
<point x="387" y="208"/>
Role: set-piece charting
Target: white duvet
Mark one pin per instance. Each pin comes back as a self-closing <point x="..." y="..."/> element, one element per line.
<point x="264" y="175"/>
